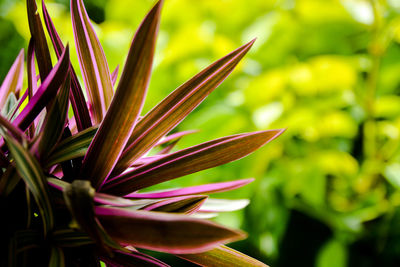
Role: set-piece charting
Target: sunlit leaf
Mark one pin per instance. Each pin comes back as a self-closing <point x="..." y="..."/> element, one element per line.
<point x="175" y="107"/>
<point x="222" y="257"/>
<point x="164" y="232"/>
<point x="78" y="101"/>
<point x="190" y="160"/>
<point x="93" y="62"/>
<point x="194" y="190"/>
<point x="127" y="103"/>
<point x="13" y="81"/>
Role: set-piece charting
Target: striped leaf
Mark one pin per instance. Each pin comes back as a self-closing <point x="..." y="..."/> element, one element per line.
<point x="31" y="172"/>
<point x="127" y="103"/>
<point x="55" y="121"/>
<point x="222" y="256"/>
<point x="132" y="259"/>
<point x="78" y="101"/>
<point x="13" y="81"/>
<point x="41" y="49"/>
<point x="45" y="93"/>
<point x="193" y="190"/>
<point x="72" y="147"/>
<point x="189" y="160"/>
<point x="186" y="204"/>
<point x="175" y="107"/>
<point x="56" y="257"/>
<point x="166" y="232"/>
<point x="94" y="66"/>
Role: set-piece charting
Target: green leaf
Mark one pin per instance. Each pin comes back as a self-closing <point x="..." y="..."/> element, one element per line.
<point x="31" y="172"/>
<point x="56" y="257"/>
<point x="127" y="103"/>
<point x="71" y="147"/>
<point x="55" y="121"/>
<point x="71" y="238"/>
<point x="222" y="256"/>
<point x="9" y="180"/>
<point x="332" y="254"/>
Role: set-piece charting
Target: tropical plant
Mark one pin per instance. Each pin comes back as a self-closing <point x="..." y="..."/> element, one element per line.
<point x="69" y="184"/>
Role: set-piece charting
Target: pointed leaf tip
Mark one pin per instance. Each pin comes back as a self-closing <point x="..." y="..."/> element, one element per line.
<point x="175" y="107"/>
<point x="92" y="60"/>
<point x="126" y="105"/>
<point x="172" y="233"/>
<point x="190" y="160"/>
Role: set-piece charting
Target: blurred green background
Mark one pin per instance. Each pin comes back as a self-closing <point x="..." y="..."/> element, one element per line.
<point x="327" y="192"/>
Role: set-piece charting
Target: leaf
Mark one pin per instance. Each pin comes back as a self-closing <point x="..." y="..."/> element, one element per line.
<point x="70" y="238"/>
<point x="175" y="136"/>
<point x="114" y="75"/>
<point x="56" y="257"/>
<point x="193" y="190"/>
<point x="223" y="205"/>
<point x="45" y="93"/>
<point x="132" y="259"/>
<point x="164" y="232"/>
<point x="186" y="204"/>
<point x="9" y="106"/>
<point x="71" y="147"/>
<point x="31" y="172"/>
<point x="41" y="49"/>
<point x="15" y="132"/>
<point x="93" y="62"/>
<point x="118" y="124"/>
<point x="32" y="81"/>
<point x="13" y="81"/>
<point x="222" y="256"/>
<point x="78" y="101"/>
<point x="55" y="121"/>
<point x="175" y="107"/>
<point x="190" y="160"/>
<point x="9" y="180"/>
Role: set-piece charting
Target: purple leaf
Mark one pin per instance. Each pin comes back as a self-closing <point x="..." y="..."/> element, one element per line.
<point x="175" y="107"/>
<point x="114" y="75"/>
<point x="93" y="62"/>
<point x="194" y="190"/>
<point x="132" y="259"/>
<point x="222" y="256"/>
<point x="78" y="101"/>
<point x="55" y="121"/>
<point x="13" y="80"/>
<point x="164" y="232"/>
<point x="32" y="80"/>
<point x="174" y="136"/>
<point x="118" y="124"/>
<point x="185" y="204"/>
<point x="45" y="93"/>
<point x="41" y="49"/>
<point x="190" y="160"/>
